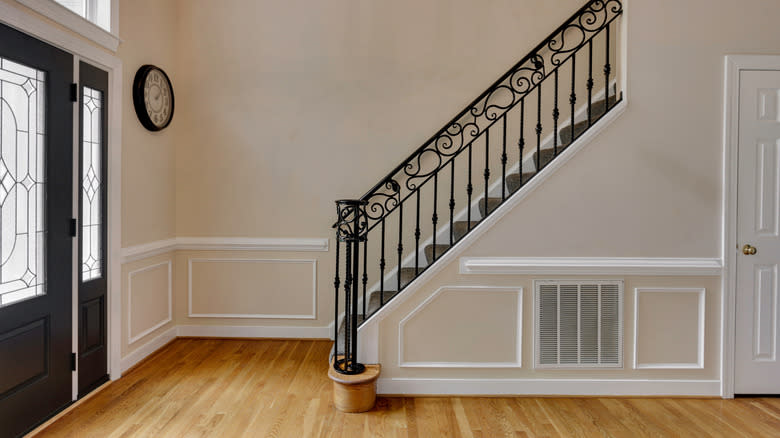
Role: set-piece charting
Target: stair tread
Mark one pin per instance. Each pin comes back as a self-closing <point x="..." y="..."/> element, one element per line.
<point x="514" y="181"/>
<point x="461" y="228"/>
<point x="492" y="203"/>
<point x="440" y="248"/>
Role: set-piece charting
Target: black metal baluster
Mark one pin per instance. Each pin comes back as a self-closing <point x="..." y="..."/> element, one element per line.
<point x="354" y="310"/>
<point x="382" y="268"/>
<point x="365" y="273"/>
<point x="573" y="96"/>
<point x="469" y="190"/>
<point x="607" y="71"/>
<point x="487" y="168"/>
<point x="539" y="127"/>
<point x="417" y="237"/>
<point x="555" y="115"/>
<point x="504" y="159"/>
<point x="336" y="284"/>
<point x="452" y="199"/>
<point x="435" y="217"/>
<point x="521" y="142"/>
<point x="400" y="239"/>
<point x="590" y="83"/>
<point x="347" y="303"/>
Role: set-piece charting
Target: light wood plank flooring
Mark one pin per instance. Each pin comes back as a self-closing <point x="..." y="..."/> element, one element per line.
<point x="259" y="388"/>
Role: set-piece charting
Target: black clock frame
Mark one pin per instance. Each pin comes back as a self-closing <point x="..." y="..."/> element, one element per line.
<point x="138" y="97"/>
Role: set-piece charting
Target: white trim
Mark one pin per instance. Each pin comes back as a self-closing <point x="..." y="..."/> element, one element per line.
<point x="253" y="331"/>
<point x="251" y="244"/>
<point x="312" y="315"/>
<point x="484" y="225"/>
<point x="130" y="338"/>
<point x="733" y="64"/>
<point x="699" y="364"/>
<point x="145" y="250"/>
<point x="591" y="266"/>
<point x="38" y="28"/>
<point x="147" y="349"/>
<point x="78" y="24"/>
<point x="518" y="330"/>
<point x="570" y="387"/>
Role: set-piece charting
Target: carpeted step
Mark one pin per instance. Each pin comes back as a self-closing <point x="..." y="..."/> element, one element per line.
<point x="492" y="204"/>
<point x="597" y="110"/>
<point x="439" y="251"/>
<point x="374" y="303"/>
<point x="461" y="228"/>
<point x="514" y="182"/>
<point x="547" y="155"/>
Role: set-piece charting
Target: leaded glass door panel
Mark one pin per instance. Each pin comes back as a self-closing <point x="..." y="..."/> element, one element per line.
<point x="36" y="164"/>
<point x="92" y="367"/>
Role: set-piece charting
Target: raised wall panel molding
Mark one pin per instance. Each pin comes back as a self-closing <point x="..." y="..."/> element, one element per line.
<point x="452" y="364"/>
<point x="699" y="364"/>
<point x="591" y="266"/>
<point x="139" y="252"/>
<point x="563" y="387"/>
<point x="130" y="338"/>
<point x="312" y="315"/>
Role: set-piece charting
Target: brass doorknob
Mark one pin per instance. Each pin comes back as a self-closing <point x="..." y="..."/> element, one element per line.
<point x="748" y="249"/>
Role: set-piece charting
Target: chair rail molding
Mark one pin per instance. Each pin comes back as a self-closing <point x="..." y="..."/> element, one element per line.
<point x="291" y="244"/>
<point x="660" y="266"/>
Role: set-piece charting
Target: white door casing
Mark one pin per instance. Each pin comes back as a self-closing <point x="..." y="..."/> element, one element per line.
<point x="757" y="370"/>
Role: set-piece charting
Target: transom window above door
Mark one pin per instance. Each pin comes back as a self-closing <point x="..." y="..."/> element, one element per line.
<point x="97" y="20"/>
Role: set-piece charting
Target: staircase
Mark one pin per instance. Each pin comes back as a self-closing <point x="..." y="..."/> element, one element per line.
<point x="486" y="154"/>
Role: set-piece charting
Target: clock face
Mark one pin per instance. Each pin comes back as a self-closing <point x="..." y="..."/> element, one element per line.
<point x="153" y="97"/>
<point x="157" y="98"/>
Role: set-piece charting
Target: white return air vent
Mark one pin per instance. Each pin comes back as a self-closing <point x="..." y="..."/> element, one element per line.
<point x="578" y="324"/>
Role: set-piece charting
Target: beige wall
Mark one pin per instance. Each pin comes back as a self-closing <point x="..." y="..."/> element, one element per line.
<point x="148" y="30"/>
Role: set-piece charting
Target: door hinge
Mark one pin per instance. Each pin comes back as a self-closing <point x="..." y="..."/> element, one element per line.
<point x="74" y="92"/>
<point x="73" y="227"/>
<point x="73" y="361"/>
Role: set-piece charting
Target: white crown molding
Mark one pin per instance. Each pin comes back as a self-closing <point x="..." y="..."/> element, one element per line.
<point x="145" y="250"/>
<point x="253" y="332"/>
<point x="591" y="266"/>
<point x="402" y="362"/>
<point x="77" y="23"/>
<point x="701" y="311"/>
<point x="192" y="314"/>
<point x="563" y="387"/>
<point x="133" y="339"/>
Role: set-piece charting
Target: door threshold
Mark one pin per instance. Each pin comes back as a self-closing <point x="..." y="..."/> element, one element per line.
<point x="65" y="411"/>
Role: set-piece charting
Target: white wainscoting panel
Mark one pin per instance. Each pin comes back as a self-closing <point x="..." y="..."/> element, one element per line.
<point x="464" y="327"/>
<point x="143" y="293"/>
<point x="669" y="328"/>
<point x="252" y="288"/>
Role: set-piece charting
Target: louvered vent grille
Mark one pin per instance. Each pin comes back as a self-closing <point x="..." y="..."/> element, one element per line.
<point x="579" y="324"/>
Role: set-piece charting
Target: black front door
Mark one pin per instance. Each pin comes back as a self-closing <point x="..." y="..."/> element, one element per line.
<point x="93" y="103"/>
<point x="36" y="249"/>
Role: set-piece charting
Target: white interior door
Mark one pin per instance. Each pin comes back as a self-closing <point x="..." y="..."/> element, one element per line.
<point x="757" y="370"/>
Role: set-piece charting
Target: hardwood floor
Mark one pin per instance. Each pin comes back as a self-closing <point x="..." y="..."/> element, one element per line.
<point x="235" y="388"/>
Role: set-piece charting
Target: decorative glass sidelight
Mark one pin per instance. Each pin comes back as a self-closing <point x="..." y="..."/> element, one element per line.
<point x="91" y="183"/>
<point x="22" y="182"/>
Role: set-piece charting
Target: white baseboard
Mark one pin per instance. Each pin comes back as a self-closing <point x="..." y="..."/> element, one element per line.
<point x="147" y="349"/>
<point x="237" y="331"/>
<point x="568" y="387"/>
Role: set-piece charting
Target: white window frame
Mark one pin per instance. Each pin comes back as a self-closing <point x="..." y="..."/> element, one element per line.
<point x="75" y="22"/>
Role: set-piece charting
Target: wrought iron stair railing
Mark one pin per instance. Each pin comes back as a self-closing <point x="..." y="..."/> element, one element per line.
<point x="381" y="232"/>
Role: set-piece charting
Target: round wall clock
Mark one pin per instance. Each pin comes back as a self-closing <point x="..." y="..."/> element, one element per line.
<point x="153" y="97"/>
